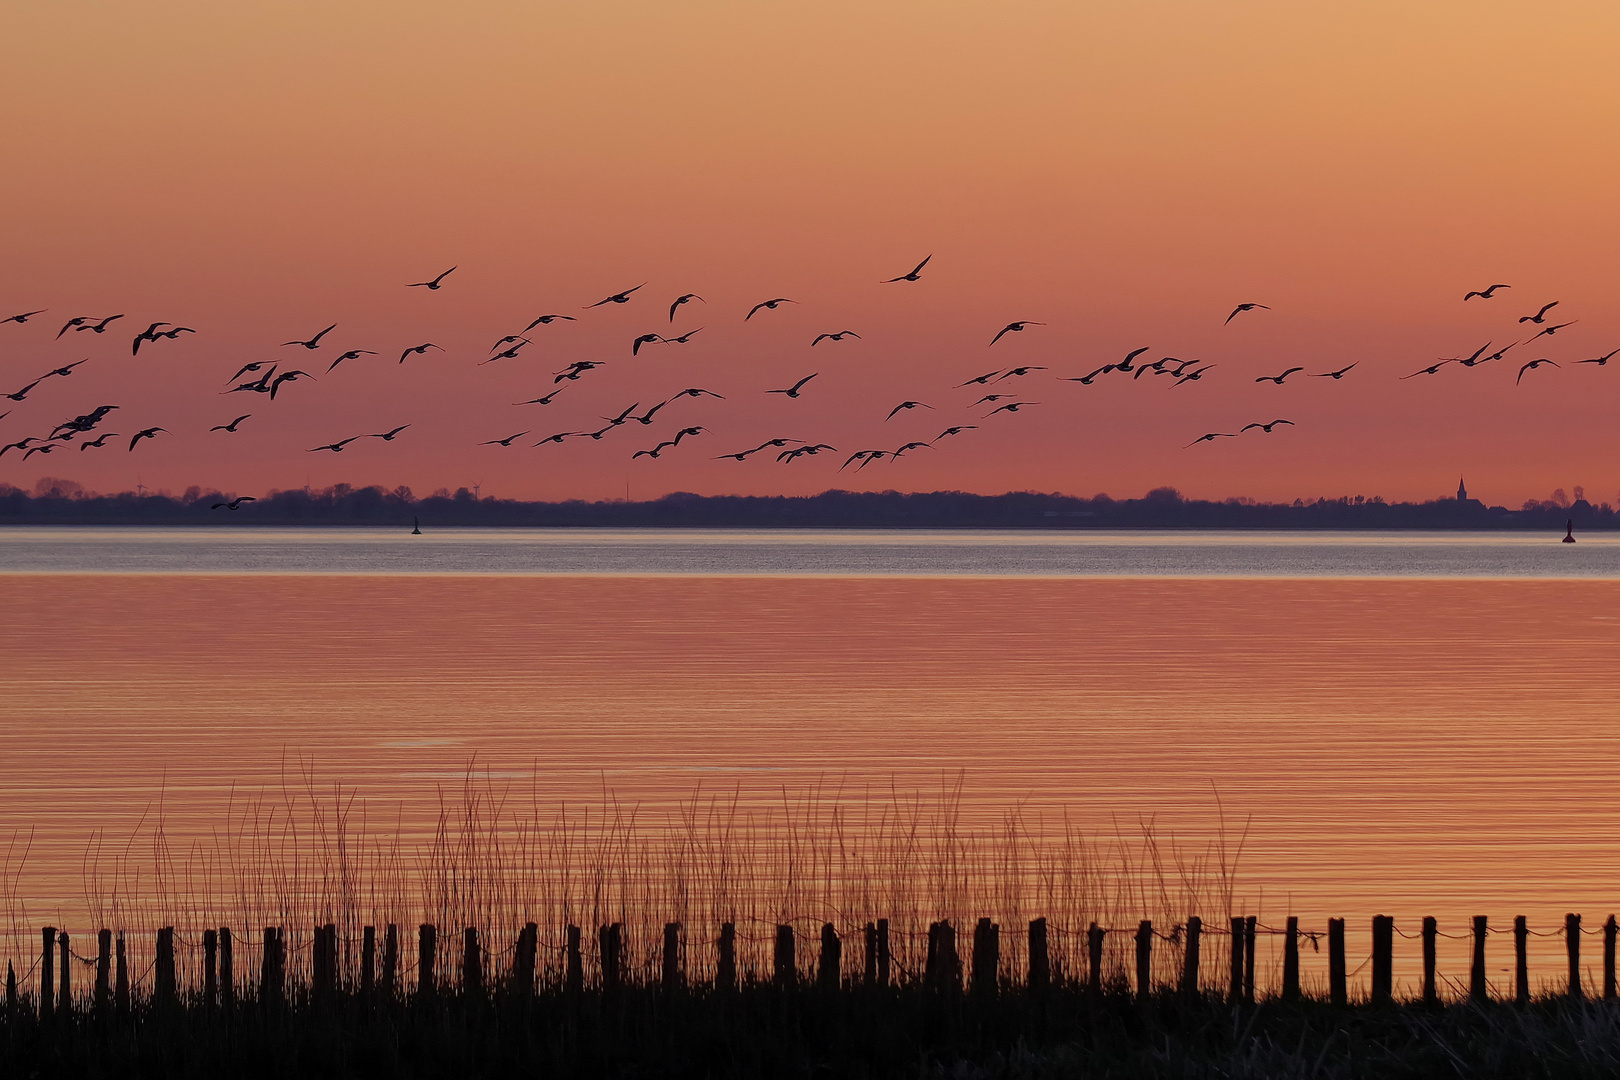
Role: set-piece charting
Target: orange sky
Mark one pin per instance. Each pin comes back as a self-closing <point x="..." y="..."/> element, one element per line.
<point x="1124" y="172"/>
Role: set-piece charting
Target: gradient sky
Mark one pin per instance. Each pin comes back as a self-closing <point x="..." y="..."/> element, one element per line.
<point x="1125" y="172"/>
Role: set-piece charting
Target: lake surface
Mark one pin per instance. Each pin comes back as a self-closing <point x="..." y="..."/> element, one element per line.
<point x="1412" y="725"/>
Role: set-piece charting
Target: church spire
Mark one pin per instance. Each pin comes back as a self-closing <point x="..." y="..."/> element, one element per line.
<point x="1462" y="492"/>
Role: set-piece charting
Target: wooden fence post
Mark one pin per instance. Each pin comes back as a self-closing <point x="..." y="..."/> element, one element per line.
<point x="1521" y="964"/>
<point x="163" y="969"/>
<point x="11" y="993"/>
<point x="1144" y="959"/>
<point x="832" y="958"/>
<point x="427" y="950"/>
<point x="1290" y="991"/>
<point x="523" y="960"/>
<point x="368" y="960"/>
<point x="1094" y="954"/>
<point x="1338" y="990"/>
<point x="227" y="970"/>
<point x="390" y="961"/>
<point x="611" y="943"/>
<point x="1477" y="991"/>
<point x="64" y="997"/>
<point x="472" y="966"/>
<point x="784" y="972"/>
<point x="883" y="951"/>
<point x="1040" y="961"/>
<point x="725" y="972"/>
<point x="1383" y="958"/>
<point x="47" y="972"/>
<point x="1189" y="959"/>
<point x="1234" y="993"/>
<point x="210" y="968"/>
<point x="1431" y="930"/>
<point x="121" y="992"/>
<point x="272" y="983"/>
<point x="1609" y="930"/>
<point x="1572" y="942"/>
<point x="574" y="972"/>
<point x="103" y="970"/>
<point x="324" y="962"/>
<point x="986" y="956"/>
<point x="1249" y="928"/>
<point x="672" y="957"/>
<point x="869" y="956"/>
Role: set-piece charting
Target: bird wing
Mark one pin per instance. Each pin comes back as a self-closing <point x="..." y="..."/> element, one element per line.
<point x="753" y="309"/>
<point x="804" y="380"/>
<point x="1003" y="330"/>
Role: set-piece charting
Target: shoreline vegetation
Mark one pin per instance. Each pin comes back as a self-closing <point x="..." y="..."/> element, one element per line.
<point x="64" y="502"/>
<point x="823" y="932"/>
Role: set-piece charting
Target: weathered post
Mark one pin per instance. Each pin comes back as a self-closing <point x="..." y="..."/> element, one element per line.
<point x="725" y="972"/>
<point x="1383" y="958"/>
<point x="1477" y="991"/>
<point x="986" y="956"/>
<point x="832" y="958"/>
<point x="1234" y="990"/>
<point x="163" y="968"/>
<point x="64" y="996"/>
<point x="103" y="970"/>
<point x="610" y="941"/>
<point x="1609" y="930"/>
<point x="1572" y="943"/>
<point x="1144" y="959"/>
<point x="1094" y="953"/>
<point x="1290" y="989"/>
<point x="368" y="960"/>
<point x="783" y="971"/>
<point x="227" y="970"/>
<point x="121" y="993"/>
<point x="672" y="957"/>
<point x="427" y="949"/>
<point x="323" y="963"/>
<point x="1338" y="991"/>
<point x="390" y="961"/>
<point x="524" y="958"/>
<point x="1249" y="926"/>
<point x="1189" y="959"/>
<point x="1040" y="960"/>
<point x="210" y="968"/>
<point x="472" y="966"/>
<point x="1521" y="963"/>
<point x="11" y="993"/>
<point x="47" y="972"/>
<point x="931" y="962"/>
<point x="869" y="955"/>
<point x="883" y="952"/>
<point x="574" y="975"/>
<point x="272" y="982"/>
<point x="1431" y="930"/>
<point x="950" y="965"/>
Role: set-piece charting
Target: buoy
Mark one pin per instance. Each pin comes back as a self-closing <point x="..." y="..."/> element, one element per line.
<point x="416" y="527"/>
<point x="1569" y="531"/>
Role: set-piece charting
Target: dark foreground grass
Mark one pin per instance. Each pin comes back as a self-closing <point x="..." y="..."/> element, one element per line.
<point x="765" y="1031"/>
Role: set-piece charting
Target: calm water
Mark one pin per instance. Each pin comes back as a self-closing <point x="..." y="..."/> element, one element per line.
<point x="1417" y="724"/>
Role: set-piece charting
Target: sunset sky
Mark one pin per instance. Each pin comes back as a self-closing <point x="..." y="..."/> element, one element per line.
<point x="1125" y="172"/>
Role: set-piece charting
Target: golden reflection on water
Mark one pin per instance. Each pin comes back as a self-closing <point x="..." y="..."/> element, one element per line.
<point x="1406" y="747"/>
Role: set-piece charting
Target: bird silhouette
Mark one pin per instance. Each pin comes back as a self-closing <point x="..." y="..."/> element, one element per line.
<point x="65" y="369"/>
<point x="695" y="391"/>
<point x="793" y="391"/>
<point x="1088" y="379"/>
<point x="151" y="333"/>
<point x="1540" y="316"/>
<point x="615" y="421"/>
<point x="1211" y="437"/>
<point x="956" y="430"/>
<point x="557" y="438"/>
<point x="654" y="452"/>
<point x="743" y="455"/>
<point x="352" y="354"/>
<point x="1430" y="370"/>
<point x="388" y="436"/>
<point x="336" y="447"/>
<point x="839" y="336"/>
<point x="433" y="285"/>
<point x="43" y="448"/>
<point x="18" y="445"/>
<point x="916" y="273"/>
<point x="683" y="339"/>
<point x="1600" y="361"/>
<point x="315" y="342"/>
<point x="990" y="399"/>
<point x="1193" y="375"/>
<point x="1278" y="379"/>
<point x="685" y="431"/>
<point x="1471" y="359"/>
<point x="546" y="400"/>
<point x="895" y="454"/>
<point x="978" y="380"/>
<point x="419" y="349"/>
<point x="287" y="377"/>
<point x="1012" y="406"/>
<point x="644" y="339"/>
<point x="684" y="298"/>
<point x="236" y="503"/>
<point x="860" y="455"/>
<point x="906" y="405"/>
<point x="23" y="317"/>
<point x="1265" y="427"/>
<point x="1014" y="328"/>
<point x="98" y="441"/>
<point x="1125" y="364"/>
<point x="1549" y="331"/>
<point x="147" y="433"/>
<point x="647" y="417"/>
<point x="508" y="441"/>
<point x="507" y="354"/>
<point x="1018" y="371"/>
<point x="74" y="323"/>
<point x="23" y="393"/>
<point x="1329" y="374"/>
<point x="230" y="427"/>
<point x="616" y="298"/>
<point x="576" y="369"/>
<point x="248" y="368"/>
<point x="770" y="305"/>
<point x="1241" y="308"/>
<point x="546" y="320"/>
<point x="1484" y="294"/>
<point x="98" y="327"/>
<point x="1531" y="366"/>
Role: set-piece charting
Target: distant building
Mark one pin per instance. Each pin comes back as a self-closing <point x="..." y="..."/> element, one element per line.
<point x="1462" y="492"/>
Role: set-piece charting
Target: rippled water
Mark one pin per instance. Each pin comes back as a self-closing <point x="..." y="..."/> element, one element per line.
<point x="1417" y="725"/>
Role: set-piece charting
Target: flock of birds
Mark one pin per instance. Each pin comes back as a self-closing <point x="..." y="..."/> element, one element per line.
<point x="269" y="377"/>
